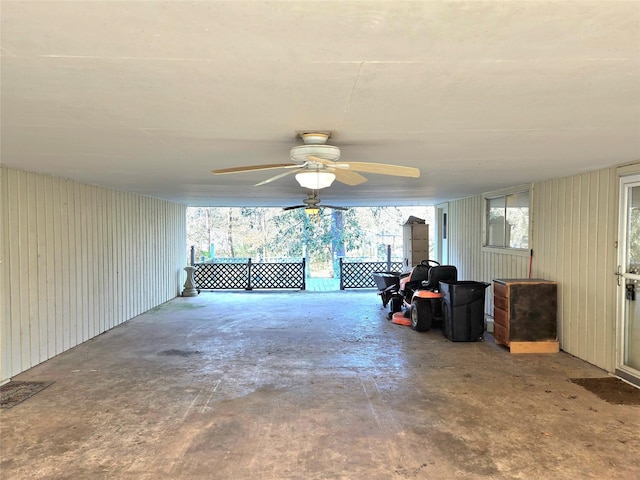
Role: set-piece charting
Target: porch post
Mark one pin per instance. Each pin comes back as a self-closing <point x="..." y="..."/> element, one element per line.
<point x="249" y="287"/>
<point x="388" y="258"/>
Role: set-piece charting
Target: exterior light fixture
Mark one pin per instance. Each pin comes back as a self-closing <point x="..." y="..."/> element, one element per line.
<point x="315" y="179"/>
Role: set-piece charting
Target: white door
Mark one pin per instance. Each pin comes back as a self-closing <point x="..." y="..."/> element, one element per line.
<point x="442" y="245"/>
<point x="629" y="280"/>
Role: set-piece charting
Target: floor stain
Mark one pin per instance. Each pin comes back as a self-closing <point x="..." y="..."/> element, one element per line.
<point x="611" y="390"/>
<point x="179" y="353"/>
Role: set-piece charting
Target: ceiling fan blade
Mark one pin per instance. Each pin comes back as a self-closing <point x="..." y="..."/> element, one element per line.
<point x="368" y="167"/>
<point x="253" y="168"/>
<point x="333" y="207"/>
<point x="294" y="207"/>
<point x="384" y="169"/>
<point x="328" y="163"/>
<point x="348" y="177"/>
<point x="280" y="175"/>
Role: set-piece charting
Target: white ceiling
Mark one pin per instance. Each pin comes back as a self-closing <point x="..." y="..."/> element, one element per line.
<point x="148" y="97"/>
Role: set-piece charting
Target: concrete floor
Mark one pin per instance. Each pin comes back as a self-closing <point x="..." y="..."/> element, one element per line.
<point x="301" y="385"/>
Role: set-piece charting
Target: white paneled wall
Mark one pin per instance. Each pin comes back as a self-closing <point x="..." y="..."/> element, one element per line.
<point x="575" y="230"/>
<point x="465" y="238"/>
<point x="574" y="233"/>
<point x="78" y="260"/>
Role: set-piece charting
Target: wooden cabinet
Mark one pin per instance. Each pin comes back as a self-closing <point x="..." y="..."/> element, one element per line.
<point x="415" y="238"/>
<point x="525" y="314"/>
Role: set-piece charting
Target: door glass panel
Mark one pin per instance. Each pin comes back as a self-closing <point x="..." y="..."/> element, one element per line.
<point x="632" y="285"/>
<point x="633" y="230"/>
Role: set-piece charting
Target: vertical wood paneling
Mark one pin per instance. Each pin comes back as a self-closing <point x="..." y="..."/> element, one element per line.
<point x="591" y="261"/>
<point x="23" y="239"/>
<point x="577" y="267"/>
<point x="78" y="260"/>
<point x="608" y="252"/>
<point x="49" y="271"/>
<point x="582" y="244"/>
<point x="118" y="239"/>
<point x="574" y="233"/>
<point x="64" y="241"/>
<point x="563" y="274"/>
<point x="571" y="265"/>
<point x="9" y="208"/>
<point x="131" y="236"/>
<point x="5" y="346"/>
<point x="32" y="255"/>
<point x="41" y="259"/>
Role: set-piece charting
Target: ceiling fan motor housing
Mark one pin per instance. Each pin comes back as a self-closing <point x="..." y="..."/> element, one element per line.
<point x="326" y="152"/>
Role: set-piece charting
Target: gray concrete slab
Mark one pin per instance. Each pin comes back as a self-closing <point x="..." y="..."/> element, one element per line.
<point x="302" y="385"/>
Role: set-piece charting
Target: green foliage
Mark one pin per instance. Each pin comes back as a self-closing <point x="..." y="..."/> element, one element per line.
<point x="263" y="233"/>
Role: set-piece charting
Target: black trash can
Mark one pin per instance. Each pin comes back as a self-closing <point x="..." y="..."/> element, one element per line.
<point x="463" y="310"/>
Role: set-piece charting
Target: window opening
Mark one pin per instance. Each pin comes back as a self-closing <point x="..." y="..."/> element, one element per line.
<point x="507" y="221"/>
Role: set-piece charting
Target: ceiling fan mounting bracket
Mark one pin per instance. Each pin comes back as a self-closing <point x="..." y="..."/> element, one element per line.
<point x="315" y="137"/>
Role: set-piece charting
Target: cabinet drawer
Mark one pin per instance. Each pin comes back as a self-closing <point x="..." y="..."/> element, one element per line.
<point x="500" y="302"/>
<point x="500" y="318"/>
<point x="500" y="334"/>
<point x="499" y="289"/>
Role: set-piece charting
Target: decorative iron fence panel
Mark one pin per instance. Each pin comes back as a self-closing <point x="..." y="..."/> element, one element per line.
<point x="358" y="274"/>
<point x="248" y="275"/>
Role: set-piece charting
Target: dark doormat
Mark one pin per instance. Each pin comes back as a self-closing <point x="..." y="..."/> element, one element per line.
<point x="611" y="390"/>
<point x="12" y="393"/>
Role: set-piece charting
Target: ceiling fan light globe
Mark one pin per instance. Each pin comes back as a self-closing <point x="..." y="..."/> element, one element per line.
<point x="315" y="180"/>
<point x="312" y="210"/>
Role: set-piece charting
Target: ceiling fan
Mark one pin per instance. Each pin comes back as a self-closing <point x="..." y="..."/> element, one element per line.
<point x="312" y="204"/>
<point x="316" y="165"/>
